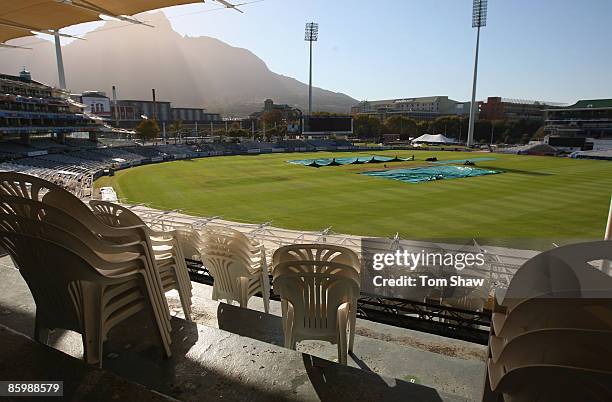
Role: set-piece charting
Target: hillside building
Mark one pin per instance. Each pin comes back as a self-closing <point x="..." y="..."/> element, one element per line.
<point x="423" y="108"/>
<point x="498" y="108"/>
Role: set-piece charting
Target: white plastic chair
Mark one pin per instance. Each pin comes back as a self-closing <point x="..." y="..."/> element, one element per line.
<point x="552" y="328"/>
<point x="548" y="383"/>
<point x="189" y="241"/>
<point x="22" y="186"/>
<point x="562" y="272"/>
<point x="169" y="257"/>
<point x="73" y="287"/>
<point x="542" y="313"/>
<point x="575" y="347"/>
<point x="318" y="298"/>
<point x="560" y="278"/>
<point x="547" y="355"/>
<point x="237" y="275"/>
<point x="251" y="249"/>
<point x="322" y="253"/>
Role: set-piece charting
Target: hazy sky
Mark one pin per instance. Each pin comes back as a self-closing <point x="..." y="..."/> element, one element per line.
<point x="554" y="50"/>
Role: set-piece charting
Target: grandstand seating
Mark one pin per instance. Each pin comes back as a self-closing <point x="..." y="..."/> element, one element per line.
<point x="47" y="144"/>
<point x="268" y="146"/>
<point x="11" y="150"/>
<point x="294" y="145"/>
<point x="80" y="143"/>
<point x="178" y="150"/>
<point x="147" y="152"/>
<point x="322" y="143"/>
<point x="78" y="161"/>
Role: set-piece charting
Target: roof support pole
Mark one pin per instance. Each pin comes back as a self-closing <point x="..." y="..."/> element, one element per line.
<point x="60" y="61"/>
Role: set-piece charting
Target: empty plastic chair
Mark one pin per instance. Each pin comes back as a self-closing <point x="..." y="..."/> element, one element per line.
<point x="319" y="297"/>
<point x="563" y="272"/>
<point x="249" y="247"/>
<point x="32" y="188"/>
<point x="556" y="279"/>
<point x="237" y="277"/>
<point x="547" y="383"/>
<point x="317" y="252"/>
<point x="169" y="258"/>
<point x="73" y="287"/>
<point x="542" y="313"/>
<point x="552" y="328"/>
<point x="558" y="346"/>
<point x="189" y="241"/>
<point x="322" y="253"/>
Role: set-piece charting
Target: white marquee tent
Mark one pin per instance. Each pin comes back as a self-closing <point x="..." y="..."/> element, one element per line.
<point x="433" y="139"/>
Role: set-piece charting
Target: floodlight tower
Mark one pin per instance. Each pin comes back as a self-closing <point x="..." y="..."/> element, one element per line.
<point x="479" y="20"/>
<point x="312" y="35"/>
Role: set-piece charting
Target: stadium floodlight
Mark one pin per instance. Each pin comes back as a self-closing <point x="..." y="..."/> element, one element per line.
<point x="479" y="14"/>
<point x="311" y="35"/>
<point x="479" y="20"/>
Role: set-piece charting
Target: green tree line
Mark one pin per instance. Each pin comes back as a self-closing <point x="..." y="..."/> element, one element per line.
<point x="504" y="131"/>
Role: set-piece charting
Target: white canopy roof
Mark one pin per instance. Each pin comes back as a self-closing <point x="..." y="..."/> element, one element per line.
<point x="434" y="139"/>
<point x="19" y="17"/>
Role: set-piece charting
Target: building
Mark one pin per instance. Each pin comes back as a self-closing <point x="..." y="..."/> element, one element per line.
<point x="424" y="108"/>
<point x="24" y="85"/>
<point x="584" y="119"/>
<point x="291" y="116"/>
<point x="132" y="112"/>
<point x="498" y="108"/>
<point x="189" y="115"/>
<point x="289" y="113"/>
<point x="97" y="103"/>
<point x="30" y="109"/>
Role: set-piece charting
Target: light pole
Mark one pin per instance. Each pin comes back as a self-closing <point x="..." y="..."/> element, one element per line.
<point x="311" y="35"/>
<point x="479" y="20"/>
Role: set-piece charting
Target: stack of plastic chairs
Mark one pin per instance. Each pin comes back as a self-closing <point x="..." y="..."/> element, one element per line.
<point x="551" y="331"/>
<point x="238" y="266"/>
<point x="189" y="240"/>
<point x="319" y="286"/>
<point x="83" y="275"/>
<point x="169" y="258"/>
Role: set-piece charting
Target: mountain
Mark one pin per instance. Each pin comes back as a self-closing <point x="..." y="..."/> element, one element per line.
<point x="189" y="72"/>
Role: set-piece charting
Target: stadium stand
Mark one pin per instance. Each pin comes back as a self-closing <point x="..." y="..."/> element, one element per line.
<point x="47" y="134"/>
<point x="11" y="150"/>
<point x="148" y="152"/>
<point x="295" y="145"/>
<point x="47" y="144"/>
<point x="257" y="145"/>
<point x="82" y="143"/>
<point x="530" y="149"/>
<point x="79" y="161"/>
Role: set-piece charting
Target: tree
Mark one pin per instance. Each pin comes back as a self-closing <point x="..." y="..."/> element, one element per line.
<point x="272" y="118"/>
<point x="422" y="127"/>
<point x="273" y="132"/>
<point x="450" y="126"/>
<point x="175" y="129"/>
<point x="404" y="126"/>
<point x="367" y="127"/>
<point x="539" y="134"/>
<point x="235" y="131"/>
<point x="147" y="130"/>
